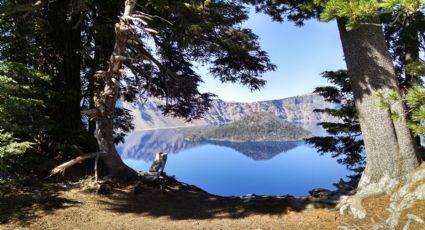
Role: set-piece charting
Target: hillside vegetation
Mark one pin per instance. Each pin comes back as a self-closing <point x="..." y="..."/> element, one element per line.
<point x="257" y="127"/>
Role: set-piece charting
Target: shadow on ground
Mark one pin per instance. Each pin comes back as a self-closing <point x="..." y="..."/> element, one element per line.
<point x="23" y="203"/>
<point x="182" y="202"/>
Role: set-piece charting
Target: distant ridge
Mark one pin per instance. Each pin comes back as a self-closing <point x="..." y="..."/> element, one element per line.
<point x="297" y="110"/>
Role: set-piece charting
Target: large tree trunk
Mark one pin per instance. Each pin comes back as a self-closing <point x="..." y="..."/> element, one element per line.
<point x="104" y="38"/>
<point x="64" y="20"/>
<point x="105" y="105"/>
<point x="390" y="148"/>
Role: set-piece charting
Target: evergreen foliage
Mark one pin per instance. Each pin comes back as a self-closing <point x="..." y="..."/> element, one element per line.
<point x="50" y="52"/>
<point x="257" y="127"/>
<point x="10" y="146"/>
<point x="29" y="37"/>
<point x="360" y="11"/>
<point x="404" y="33"/>
<point x="23" y="93"/>
<point x="67" y="42"/>
<point x="415" y="99"/>
<point x="405" y="37"/>
<point x="193" y="31"/>
<point x="23" y="118"/>
<point x="344" y="140"/>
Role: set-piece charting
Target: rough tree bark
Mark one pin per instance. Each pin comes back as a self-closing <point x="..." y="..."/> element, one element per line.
<point x="104" y="38"/>
<point x="391" y="150"/>
<point x="105" y="104"/>
<point x="65" y="35"/>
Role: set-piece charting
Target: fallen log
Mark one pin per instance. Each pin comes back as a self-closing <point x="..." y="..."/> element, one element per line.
<point x="61" y="168"/>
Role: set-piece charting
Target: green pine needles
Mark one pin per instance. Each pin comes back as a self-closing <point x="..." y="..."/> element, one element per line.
<point x="22" y="94"/>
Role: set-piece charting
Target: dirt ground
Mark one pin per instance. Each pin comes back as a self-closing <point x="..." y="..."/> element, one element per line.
<point x="181" y="207"/>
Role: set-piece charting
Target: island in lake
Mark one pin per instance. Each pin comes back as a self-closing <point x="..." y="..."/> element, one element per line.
<point x="258" y="126"/>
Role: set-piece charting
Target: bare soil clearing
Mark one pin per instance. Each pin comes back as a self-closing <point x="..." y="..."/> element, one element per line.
<point x="181" y="207"/>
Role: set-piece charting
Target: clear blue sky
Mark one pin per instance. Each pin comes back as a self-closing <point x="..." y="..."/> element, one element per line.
<point x="300" y="53"/>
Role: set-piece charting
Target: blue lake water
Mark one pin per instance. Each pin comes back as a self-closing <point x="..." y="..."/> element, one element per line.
<point x="233" y="168"/>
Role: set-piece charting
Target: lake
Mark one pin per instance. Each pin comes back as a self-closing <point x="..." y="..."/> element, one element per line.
<point x="235" y="168"/>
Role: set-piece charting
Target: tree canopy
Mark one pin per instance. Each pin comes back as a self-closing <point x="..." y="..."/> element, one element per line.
<point x="66" y="67"/>
<point x="70" y="42"/>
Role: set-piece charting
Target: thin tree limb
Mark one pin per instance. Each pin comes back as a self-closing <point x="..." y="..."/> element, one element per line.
<point x="64" y="166"/>
<point x="96" y="173"/>
<point x="90" y="113"/>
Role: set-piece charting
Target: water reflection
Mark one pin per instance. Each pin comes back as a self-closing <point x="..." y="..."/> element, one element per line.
<point x="235" y="168"/>
<point x="143" y="145"/>
<point x="264" y="150"/>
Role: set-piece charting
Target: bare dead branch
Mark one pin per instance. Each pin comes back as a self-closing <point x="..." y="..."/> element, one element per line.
<point x="61" y="168"/>
<point x="96" y="172"/>
<point x="137" y="19"/>
<point x="151" y="17"/>
<point x="90" y="113"/>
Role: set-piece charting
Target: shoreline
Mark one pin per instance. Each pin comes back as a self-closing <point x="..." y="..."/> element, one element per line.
<point x="182" y="206"/>
<point x="258" y="140"/>
<point x="168" y="127"/>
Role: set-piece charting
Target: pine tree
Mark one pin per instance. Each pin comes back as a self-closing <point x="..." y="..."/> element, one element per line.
<point x="158" y="62"/>
<point x="41" y="37"/>
<point x="344" y="139"/>
<point x="416" y="100"/>
<point x="404" y="47"/>
<point x="23" y="93"/>
<point x="391" y="150"/>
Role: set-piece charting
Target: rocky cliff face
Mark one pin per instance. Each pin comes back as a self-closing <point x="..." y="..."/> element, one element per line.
<point x="297" y="110"/>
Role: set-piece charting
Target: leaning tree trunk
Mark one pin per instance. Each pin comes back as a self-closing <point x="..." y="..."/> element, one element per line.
<point x="105" y="105"/>
<point x="391" y="150"/>
<point x="104" y="44"/>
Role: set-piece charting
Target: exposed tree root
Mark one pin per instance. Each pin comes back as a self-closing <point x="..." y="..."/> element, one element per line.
<point x="405" y="197"/>
<point x="401" y="199"/>
<point x="154" y="174"/>
<point x="354" y="203"/>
